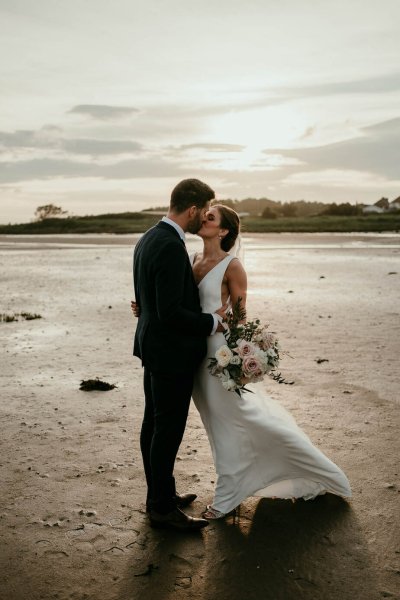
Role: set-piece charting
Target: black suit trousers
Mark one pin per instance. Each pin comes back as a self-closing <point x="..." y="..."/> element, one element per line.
<point x="167" y="399"/>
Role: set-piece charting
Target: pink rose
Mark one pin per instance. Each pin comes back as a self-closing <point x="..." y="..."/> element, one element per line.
<point x="268" y="340"/>
<point x="264" y="339"/>
<point x="244" y="348"/>
<point x="252" y="367"/>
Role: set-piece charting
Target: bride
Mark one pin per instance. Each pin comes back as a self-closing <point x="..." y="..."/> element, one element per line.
<point x="257" y="447"/>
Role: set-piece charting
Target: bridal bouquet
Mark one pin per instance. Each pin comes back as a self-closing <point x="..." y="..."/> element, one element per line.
<point x="249" y="354"/>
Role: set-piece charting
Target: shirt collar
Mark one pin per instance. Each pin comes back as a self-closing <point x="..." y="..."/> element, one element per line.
<point x="177" y="227"/>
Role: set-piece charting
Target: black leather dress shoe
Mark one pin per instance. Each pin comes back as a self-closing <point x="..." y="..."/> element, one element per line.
<point x="176" y="519"/>
<point x="183" y="500"/>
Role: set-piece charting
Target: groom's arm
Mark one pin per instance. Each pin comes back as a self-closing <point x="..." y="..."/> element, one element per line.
<point x="169" y="287"/>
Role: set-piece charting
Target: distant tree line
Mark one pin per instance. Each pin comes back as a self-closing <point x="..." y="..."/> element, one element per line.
<point x="257" y="206"/>
<point x="254" y="207"/>
<point x="272" y="209"/>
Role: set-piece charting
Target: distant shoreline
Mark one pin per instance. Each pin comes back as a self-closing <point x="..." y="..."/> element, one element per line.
<point x="265" y="241"/>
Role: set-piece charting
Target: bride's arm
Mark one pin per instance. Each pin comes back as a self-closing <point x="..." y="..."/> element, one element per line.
<point x="237" y="283"/>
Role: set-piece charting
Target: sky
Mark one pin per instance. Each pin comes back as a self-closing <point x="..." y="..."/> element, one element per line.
<point x="105" y="105"/>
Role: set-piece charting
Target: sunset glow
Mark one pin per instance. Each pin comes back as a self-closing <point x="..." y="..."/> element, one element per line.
<point x="108" y="106"/>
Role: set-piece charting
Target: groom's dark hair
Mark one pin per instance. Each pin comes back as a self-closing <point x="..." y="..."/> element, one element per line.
<point x="190" y="192"/>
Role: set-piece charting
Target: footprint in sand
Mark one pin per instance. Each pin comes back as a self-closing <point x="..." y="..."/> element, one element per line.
<point x="181" y="566"/>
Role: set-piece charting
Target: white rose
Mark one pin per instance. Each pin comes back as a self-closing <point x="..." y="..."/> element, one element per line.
<point x="223" y="356"/>
<point x="235" y="360"/>
<point x="229" y="385"/>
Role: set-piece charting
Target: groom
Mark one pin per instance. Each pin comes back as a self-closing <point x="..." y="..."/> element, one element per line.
<point x="170" y="340"/>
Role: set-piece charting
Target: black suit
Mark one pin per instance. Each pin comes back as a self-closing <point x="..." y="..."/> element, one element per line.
<point x="170" y="339"/>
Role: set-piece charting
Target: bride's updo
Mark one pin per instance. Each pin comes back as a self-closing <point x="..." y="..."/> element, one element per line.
<point x="230" y="221"/>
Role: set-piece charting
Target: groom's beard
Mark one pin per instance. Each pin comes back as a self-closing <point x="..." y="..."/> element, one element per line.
<point x="195" y="224"/>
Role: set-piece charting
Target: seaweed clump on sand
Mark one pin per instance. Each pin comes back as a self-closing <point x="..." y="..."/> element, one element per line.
<point x="278" y="377"/>
<point x="30" y="316"/>
<point x="14" y="317"/>
<point x="87" y="385"/>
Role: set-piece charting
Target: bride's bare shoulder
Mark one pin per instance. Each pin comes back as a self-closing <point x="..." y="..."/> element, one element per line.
<point x="235" y="269"/>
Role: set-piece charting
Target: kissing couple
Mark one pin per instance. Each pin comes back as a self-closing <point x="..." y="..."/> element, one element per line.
<point x="181" y="301"/>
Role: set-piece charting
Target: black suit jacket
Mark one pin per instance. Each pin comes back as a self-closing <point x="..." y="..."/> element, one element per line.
<point x="171" y="331"/>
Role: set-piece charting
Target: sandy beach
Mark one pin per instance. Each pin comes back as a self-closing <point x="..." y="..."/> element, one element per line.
<point x="72" y="519"/>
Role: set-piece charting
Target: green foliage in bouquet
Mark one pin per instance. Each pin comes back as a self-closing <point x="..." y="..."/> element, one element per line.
<point x="237" y="328"/>
<point x="249" y="354"/>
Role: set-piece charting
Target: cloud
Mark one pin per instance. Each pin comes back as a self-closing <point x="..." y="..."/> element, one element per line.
<point x="376" y="150"/>
<point x="309" y="132"/>
<point x="373" y="85"/>
<point x="337" y="178"/>
<point x="26" y="138"/>
<point x="213" y="147"/>
<point x="277" y="95"/>
<point x="50" y="137"/>
<point x="139" y="168"/>
<point x="43" y="168"/>
<point x="391" y="127"/>
<point x="104" y="112"/>
<point x="234" y="101"/>
<point x="47" y="168"/>
<point x="100" y="147"/>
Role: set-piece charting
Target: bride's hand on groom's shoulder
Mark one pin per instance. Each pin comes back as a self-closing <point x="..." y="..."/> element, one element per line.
<point x="135" y="308"/>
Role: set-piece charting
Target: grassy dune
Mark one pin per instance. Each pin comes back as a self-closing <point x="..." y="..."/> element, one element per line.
<point x="110" y="223"/>
<point x="138" y="222"/>
<point x="380" y="222"/>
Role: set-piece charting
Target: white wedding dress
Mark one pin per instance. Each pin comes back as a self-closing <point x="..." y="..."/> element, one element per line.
<point x="257" y="447"/>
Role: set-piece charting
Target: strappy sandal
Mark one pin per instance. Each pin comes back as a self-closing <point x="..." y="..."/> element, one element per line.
<point x="212" y="514"/>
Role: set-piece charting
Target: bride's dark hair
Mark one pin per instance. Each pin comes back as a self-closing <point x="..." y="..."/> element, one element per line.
<point x="230" y="221"/>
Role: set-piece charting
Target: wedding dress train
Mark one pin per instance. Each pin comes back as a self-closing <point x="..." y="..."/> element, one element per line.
<point x="257" y="447"/>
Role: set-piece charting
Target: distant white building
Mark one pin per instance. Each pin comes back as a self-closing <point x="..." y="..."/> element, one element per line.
<point x="395" y="204"/>
<point x="372" y="208"/>
<point x="382" y="206"/>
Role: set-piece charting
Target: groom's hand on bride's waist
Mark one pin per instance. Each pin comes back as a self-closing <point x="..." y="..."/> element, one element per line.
<point x="221" y="316"/>
<point x="135" y="308"/>
<point x="221" y="312"/>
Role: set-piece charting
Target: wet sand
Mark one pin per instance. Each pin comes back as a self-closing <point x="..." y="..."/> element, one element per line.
<point x="72" y="520"/>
